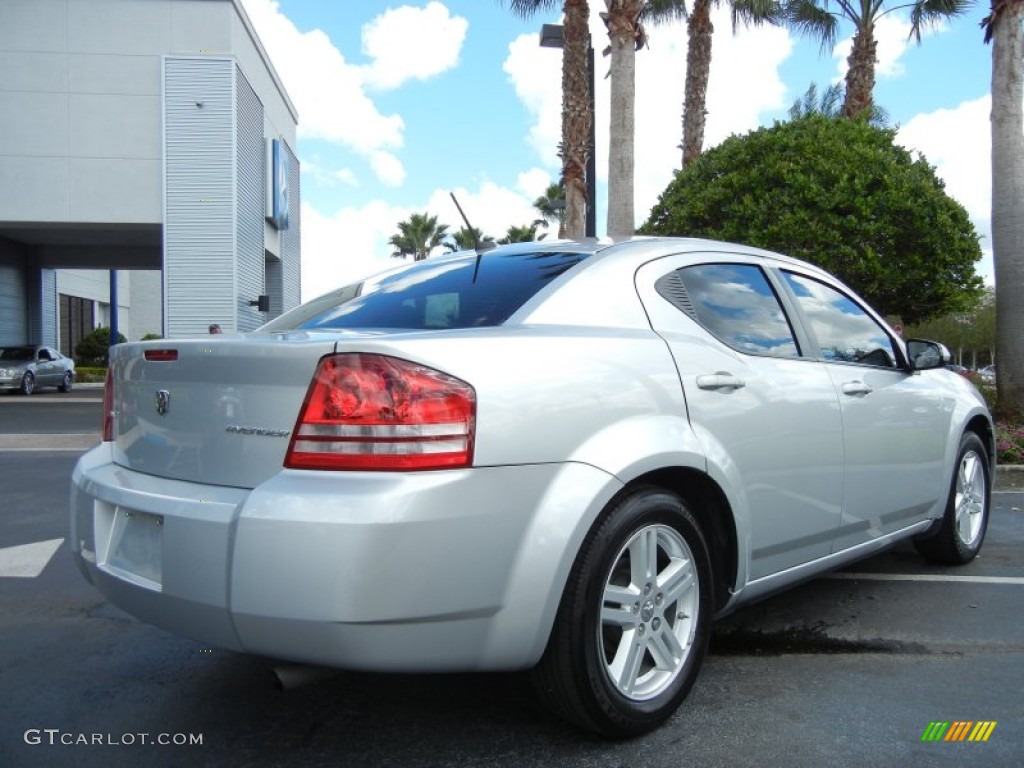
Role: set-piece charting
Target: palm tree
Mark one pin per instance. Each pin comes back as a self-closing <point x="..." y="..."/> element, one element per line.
<point x="577" y="115"/>
<point x="466" y="239"/>
<point x="418" y="236"/>
<point x="626" y="36"/>
<point x="1004" y="31"/>
<point x="699" y="30"/>
<point x="813" y="18"/>
<point x="551" y="206"/>
<point x="526" y="233"/>
<point x="810" y="104"/>
<point x="828" y="105"/>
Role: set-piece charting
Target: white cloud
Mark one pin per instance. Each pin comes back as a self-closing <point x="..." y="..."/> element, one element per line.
<point x="533" y="183"/>
<point x="353" y="242"/>
<point x="408" y="43"/>
<point x="892" y="34"/>
<point x="389" y="169"/>
<point x="958" y="142"/>
<point x="327" y="90"/>
<point x="491" y="208"/>
<point x="536" y="76"/>
<point x="737" y="95"/>
<point x="328" y="177"/>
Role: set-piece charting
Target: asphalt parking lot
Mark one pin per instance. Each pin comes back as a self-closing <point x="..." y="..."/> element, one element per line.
<point x="850" y="669"/>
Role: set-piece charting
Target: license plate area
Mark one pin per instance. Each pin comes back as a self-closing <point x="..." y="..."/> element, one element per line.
<point x="129" y="544"/>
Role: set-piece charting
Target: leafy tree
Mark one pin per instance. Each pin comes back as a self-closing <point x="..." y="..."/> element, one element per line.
<point x="1003" y="29"/>
<point x="577" y="116"/>
<point x="417" y="237"/>
<point x="551" y="206"/>
<point x="838" y="193"/>
<point x="94" y="348"/>
<point x="526" y="233"/>
<point x="466" y="239"/>
<point x="816" y="19"/>
<point x="970" y="335"/>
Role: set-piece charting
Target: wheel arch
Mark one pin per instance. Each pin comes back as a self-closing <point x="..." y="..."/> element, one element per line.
<point x="709" y="505"/>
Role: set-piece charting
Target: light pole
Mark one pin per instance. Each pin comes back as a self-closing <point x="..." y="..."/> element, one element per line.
<point x="553" y="36"/>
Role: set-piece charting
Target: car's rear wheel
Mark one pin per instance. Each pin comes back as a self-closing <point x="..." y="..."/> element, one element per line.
<point x="633" y="624"/>
<point x="28" y="383"/>
<point x="68" y="383"/>
<point x="962" y="530"/>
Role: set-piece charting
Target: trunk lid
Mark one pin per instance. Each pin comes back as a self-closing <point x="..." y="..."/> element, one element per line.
<point x="216" y="411"/>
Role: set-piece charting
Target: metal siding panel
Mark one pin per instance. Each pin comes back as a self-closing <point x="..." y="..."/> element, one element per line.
<point x="48" y="307"/>
<point x="250" y="204"/>
<point x="199" y="194"/>
<point x="291" y="247"/>
<point x="13" y="309"/>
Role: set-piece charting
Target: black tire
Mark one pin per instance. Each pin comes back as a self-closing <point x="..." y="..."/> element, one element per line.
<point x="607" y="618"/>
<point x="28" y="383"/>
<point x="960" y="534"/>
<point x="68" y="383"/>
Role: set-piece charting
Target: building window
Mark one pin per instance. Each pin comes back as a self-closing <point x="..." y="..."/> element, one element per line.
<point x="76" y="322"/>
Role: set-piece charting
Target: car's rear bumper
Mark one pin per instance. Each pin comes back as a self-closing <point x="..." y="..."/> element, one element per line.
<point x="447" y="570"/>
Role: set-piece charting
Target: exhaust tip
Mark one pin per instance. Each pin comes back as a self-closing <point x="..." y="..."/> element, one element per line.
<point x="290" y="676"/>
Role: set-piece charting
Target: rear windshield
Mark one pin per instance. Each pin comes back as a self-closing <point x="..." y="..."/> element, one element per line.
<point x="438" y="293"/>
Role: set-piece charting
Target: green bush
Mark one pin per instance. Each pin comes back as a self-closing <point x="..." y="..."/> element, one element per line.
<point x="151" y="336"/>
<point x="93" y="349"/>
<point x="841" y="194"/>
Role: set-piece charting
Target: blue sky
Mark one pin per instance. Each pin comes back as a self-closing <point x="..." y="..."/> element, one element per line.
<point x="399" y="104"/>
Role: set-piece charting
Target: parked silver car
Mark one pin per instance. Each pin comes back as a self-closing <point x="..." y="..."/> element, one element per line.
<point x="26" y="368"/>
<point x="565" y="457"/>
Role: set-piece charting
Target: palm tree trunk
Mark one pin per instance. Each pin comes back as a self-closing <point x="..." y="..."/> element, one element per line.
<point x="860" y="77"/>
<point x="1008" y="201"/>
<point x="622" y="20"/>
<point x="576" y="116"/>
<point x="698" y="68"/>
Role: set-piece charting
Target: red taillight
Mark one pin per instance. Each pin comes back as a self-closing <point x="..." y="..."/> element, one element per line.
<point x="108" y="407"/>
<point x="376" y="412"/>
<point x="161" y="355"/>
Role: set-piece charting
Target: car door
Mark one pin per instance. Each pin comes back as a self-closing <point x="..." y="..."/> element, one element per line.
<point x="767" y="417"/>
<point x="44" y="368"/>
<point x="895" y="424"/>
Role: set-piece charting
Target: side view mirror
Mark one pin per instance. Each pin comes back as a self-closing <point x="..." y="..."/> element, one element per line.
<point x="926" y="355"/>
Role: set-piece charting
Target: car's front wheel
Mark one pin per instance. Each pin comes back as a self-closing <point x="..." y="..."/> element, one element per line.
<point x="633" y="624"/>
<point x="68" y="383"/>
<point x="962" y="530"/>
<point x="28" y="383"/>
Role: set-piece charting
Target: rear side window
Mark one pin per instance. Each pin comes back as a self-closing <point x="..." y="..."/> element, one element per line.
<point x="442" y="293"/>
<point x="736" y="303"/>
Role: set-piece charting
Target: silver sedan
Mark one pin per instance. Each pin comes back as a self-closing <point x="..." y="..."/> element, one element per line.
<point x="27" y="368"/>
<point x="564" y="457"/>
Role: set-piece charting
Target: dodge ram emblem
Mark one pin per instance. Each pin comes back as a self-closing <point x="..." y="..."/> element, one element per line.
<point x="163" y="401"/>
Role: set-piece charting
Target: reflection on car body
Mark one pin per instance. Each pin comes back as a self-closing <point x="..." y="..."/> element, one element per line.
<point x="565" y="457"/>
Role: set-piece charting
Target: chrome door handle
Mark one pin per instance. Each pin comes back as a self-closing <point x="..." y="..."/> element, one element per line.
<point x="856" y="388"/>
<point x="720" y="380"/>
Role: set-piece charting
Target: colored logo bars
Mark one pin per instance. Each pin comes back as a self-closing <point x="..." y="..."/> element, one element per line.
<point x="958" y="730"/>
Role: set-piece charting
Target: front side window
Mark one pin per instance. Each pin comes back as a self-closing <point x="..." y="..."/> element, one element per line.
<point x="845" y="332"/>
<point x="736" y="303"/>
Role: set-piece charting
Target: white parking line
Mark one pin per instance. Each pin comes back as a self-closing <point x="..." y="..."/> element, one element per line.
<point x="27" y="561"/>
<point x="74" y="441"/>
<point x="927" y="577"/>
